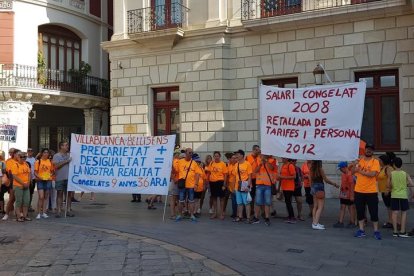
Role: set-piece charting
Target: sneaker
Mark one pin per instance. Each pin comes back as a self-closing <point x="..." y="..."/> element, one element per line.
<point x="377" y="235"/>
<point x="134" y="200"/>
<point x="178" y="218"/>
<point x="273" y="214"/>
<point x="31" y="210"/>
<point x="74" y="200"/>
<point x="6" y="217"/>
<point x="267" y="222"/>
<point x="38" y="216"/>
<point x="360" y="234"/>
<point x="210" y="211"/>
<point x="255" y="220"/>
<point x="338" y="225"/>
<point x="318" y="226"/>
<point x="351" y="225"/>
<point x="193" y="219"/>
<point x="292" y="221"/>
<point x="387" y="225"/>
<point x="404" y="235"/>
<point x="248" y="221"/>
<point x="198" y="211"/>
<point x="70" y="214"/>
<point x="395" y="235"/>
<point x="44" y="215"/>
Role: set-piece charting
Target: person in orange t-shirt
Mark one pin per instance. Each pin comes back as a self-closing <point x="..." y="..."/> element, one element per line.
<point x="243" y="184"/>
<point x="265" y="178"/>
<point x="21" y="182"/>
<point x="173" y="189"/>
<point x="217" y="178"/>
<point x="287" y="185"/>
<point x="231" y="179"/>
<point x="254" y="158"/>
<point x="199" y="188"/>
<point x="190" y="171"/>
<point x="306" y="184"/>
<point x="9" y="164"/>
<point x="366" y="192"/>
<point x="43" y="171"/>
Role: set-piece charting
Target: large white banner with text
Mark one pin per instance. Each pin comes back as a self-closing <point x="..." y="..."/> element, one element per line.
<point x="312" y="123"/>
<point x="121" y="164"/>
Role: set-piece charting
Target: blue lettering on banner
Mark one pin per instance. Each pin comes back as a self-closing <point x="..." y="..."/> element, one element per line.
<point x="89" y="182"/>
<point x="113" y="151"/>
<point x="128" y="184"/>
<point x="139" y="171"/>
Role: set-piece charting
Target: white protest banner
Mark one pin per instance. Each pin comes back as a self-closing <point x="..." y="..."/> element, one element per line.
<point x="312" y="123"/>
<point x="8" y="133"/>
<point x="121" y="164"/>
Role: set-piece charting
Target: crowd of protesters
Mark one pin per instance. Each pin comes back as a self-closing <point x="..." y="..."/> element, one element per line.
<point x="252" y="182"/>
<point x="47" y="172"/>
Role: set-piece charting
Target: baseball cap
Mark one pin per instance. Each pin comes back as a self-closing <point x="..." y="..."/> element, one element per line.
<point x="371" y="146"/>
<point x="342" y="164"/>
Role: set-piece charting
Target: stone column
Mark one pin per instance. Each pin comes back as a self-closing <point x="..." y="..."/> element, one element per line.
<point x="16" y="113"/>
<point x="93" y="121"/>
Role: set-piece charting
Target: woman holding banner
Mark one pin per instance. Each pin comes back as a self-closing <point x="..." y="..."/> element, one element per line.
<point x="44" y="171"/>
<point x="317" y="178"/>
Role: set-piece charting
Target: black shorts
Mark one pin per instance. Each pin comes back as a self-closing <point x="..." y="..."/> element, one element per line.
<point x="216" y="188"/>
<point x="387" y="199"/>
<point x="399" y="204"/>
<point x="346" y="202"/>
<point x="363" y="200"/>
<point x="297" y="192"/>
<point x="197" y="195"/>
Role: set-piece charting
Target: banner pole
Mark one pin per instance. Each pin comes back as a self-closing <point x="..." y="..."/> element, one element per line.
<point x="165" y="207"/>
<point x="66" y="202"/>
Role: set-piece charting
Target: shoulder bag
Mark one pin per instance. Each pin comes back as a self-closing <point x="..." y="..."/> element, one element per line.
<point x="181" y="181"/>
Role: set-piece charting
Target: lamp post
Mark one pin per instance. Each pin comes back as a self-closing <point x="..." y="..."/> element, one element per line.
<point x="318" y="73"/>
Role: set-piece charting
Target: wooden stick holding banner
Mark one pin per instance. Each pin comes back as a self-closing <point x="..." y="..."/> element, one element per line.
<point x="66" y="202"/>
<point x="165" y="208"/>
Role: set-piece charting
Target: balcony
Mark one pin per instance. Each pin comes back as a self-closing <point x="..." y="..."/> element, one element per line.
<point x="157" y="18"/>
<point x="23" y="76"/>
<point x="253" y="12"/>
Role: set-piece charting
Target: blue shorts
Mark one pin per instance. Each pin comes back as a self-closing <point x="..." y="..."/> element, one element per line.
<point x="241" y="198"/>
<point x="317" y="187"/>
<point x="263" y="195"/>
<point x="44" y="185"/>
<point x="189" y="192"/>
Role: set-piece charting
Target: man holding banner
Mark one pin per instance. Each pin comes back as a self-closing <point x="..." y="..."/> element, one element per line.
<point x="61" y="161"/>
<point x="188" y="173"/>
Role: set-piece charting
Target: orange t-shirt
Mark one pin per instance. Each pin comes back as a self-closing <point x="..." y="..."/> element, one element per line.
<point x="174" y="172"/>
<point x="22" y="171"/>
<point x="288" y="170"/>
<point x="365" y="184"/>
<point x="44" y="169"/>
<point x="254" y="162"/>
<point x="245" y="170"/>
<point x="9" y="164"/>
<point x="217" y="170"/>
<point x="232" y="176"/>
<point x="183" y="166"/>
<point x="262" y="177"/>
<point x="201" y="179"/>
<point x="305" y="172"/>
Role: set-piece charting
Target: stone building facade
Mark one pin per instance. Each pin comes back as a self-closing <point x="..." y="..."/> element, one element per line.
<point x="197" y="74"/>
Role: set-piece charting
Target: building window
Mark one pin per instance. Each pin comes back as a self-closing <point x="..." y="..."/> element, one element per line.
<point x="282" y="83"/>
<point x="381" y="121"/>
<point x="49" y="137"/>
<point x="166" y="13"/>
<point x="271" y="8"/>
<point x="61" y="48"/>
<point x="166" y="111"/>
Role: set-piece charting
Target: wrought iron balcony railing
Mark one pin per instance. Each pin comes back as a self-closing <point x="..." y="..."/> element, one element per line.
<point x="255" y="9"/>
<point x="36" y="77"/>
<point x="157" y="18"/>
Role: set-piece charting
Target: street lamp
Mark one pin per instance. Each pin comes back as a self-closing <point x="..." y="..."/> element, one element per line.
<point x="318" y="73"/>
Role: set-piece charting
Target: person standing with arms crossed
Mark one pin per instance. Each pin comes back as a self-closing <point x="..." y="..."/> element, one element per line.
<point x="366" y="192"/>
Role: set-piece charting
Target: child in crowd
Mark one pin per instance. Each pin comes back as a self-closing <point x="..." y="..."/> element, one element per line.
<point x="346" y="196"/>
<point x="398" y="183"/>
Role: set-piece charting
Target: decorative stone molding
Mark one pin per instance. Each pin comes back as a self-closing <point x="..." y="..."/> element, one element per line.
<point x="15" y="106"/>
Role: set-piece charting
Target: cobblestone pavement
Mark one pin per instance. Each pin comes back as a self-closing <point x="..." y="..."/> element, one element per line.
<point x="39" y="248"/>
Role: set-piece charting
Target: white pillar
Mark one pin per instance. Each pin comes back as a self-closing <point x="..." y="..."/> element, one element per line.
<point x="16" y="113"/>
<point x="93" y="121"/>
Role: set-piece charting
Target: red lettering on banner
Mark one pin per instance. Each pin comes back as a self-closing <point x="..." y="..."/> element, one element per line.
<point x="282" y="132"/>
<point x="287" y="121"/>
<point x="280" y="95"/>
<point x="335" y="133"/>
